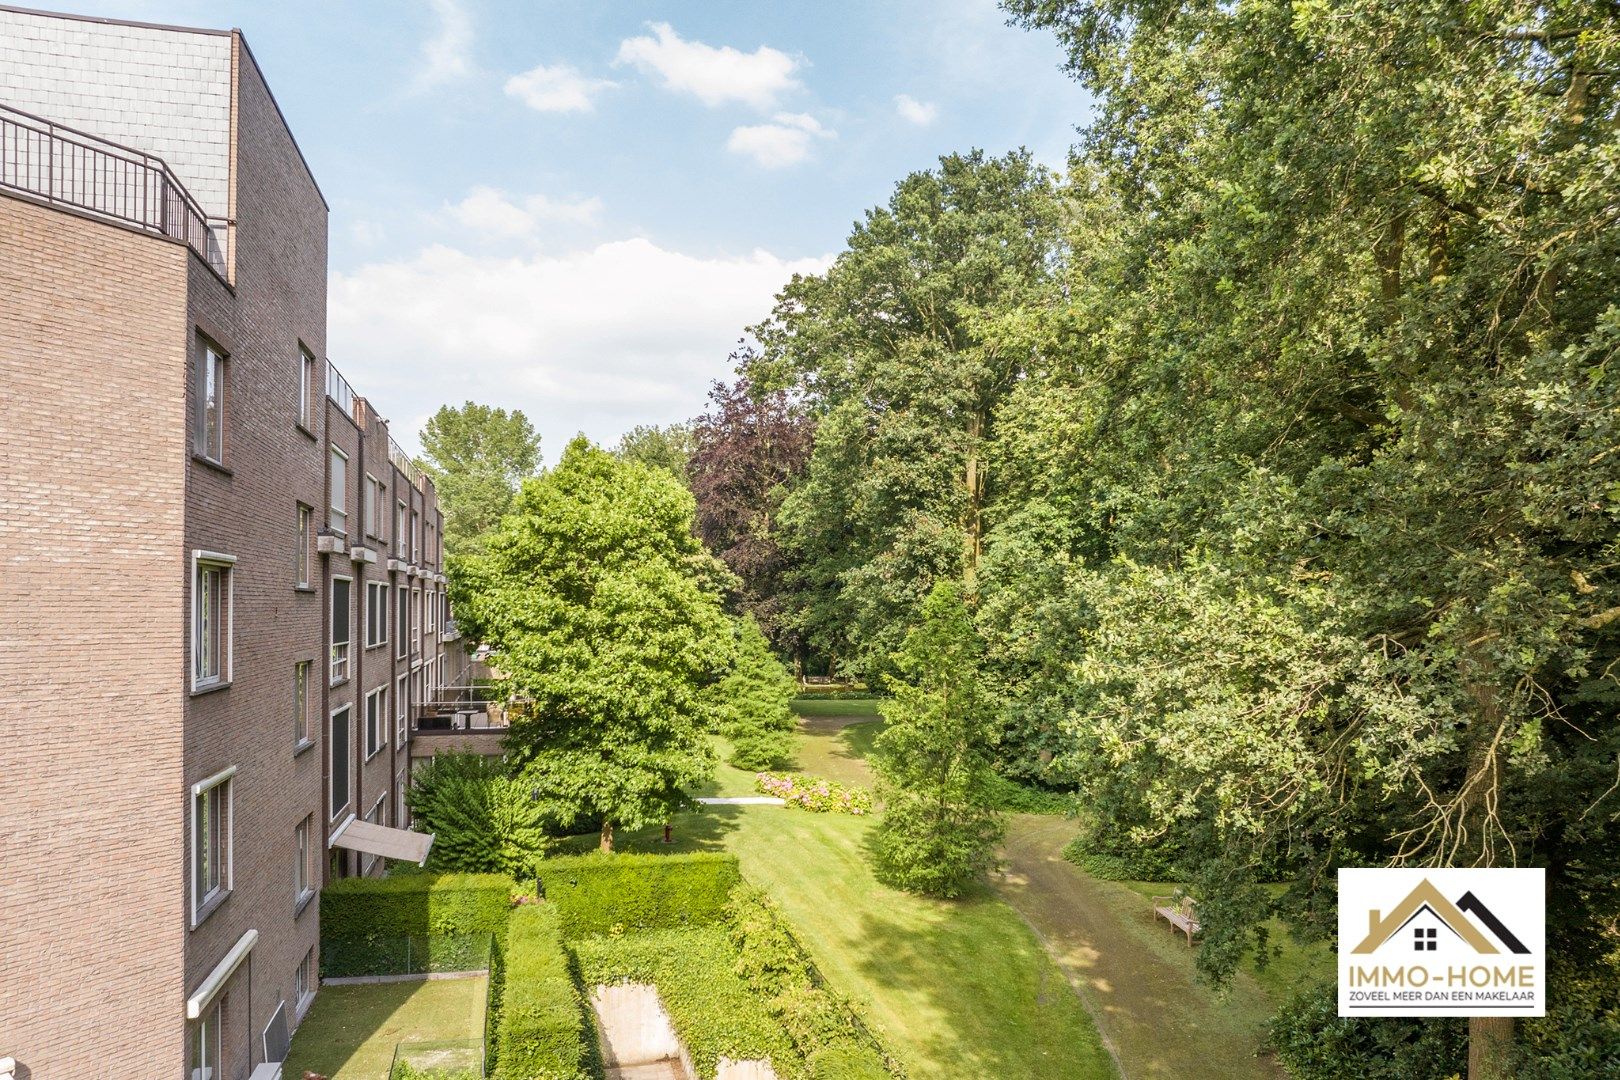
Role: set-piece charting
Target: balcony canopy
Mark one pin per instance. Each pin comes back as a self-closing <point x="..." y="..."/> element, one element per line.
<point x="390" y="843"/>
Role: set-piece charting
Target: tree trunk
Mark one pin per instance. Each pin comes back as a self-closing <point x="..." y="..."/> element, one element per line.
<point x="973" y="479"/>
<point x="1490" y="1047"/>
<point x="607" y="836"/>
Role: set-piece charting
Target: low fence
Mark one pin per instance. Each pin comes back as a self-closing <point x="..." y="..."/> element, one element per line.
<point x="382" y="955"/>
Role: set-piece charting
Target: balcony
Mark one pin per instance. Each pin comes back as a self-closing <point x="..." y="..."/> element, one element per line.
<point x="450" y="632"/>
<point x="62" y="166"/>
<point x="459" y="722"/>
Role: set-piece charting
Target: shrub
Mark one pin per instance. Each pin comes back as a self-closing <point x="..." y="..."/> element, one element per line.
<point x="404" y="1070"/>
<point x="713" y="1010"/>
<point x="1009" y="795"/>
<point x="823" y="1025"/>
<point x="1119" y="862"/>
<point x="814" y="793"/>
<point x="601" y="893"/>
<point x="482" y="819"/>
<point x="542" y="1032"/>
<point x="1314" y="1043"/>
<point x="750" y="704"/>
<point x="422" y="904"/>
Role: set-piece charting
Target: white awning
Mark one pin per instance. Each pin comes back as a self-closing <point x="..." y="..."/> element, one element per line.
<point x="211" y="986"/>
<point x="390" y="843"/>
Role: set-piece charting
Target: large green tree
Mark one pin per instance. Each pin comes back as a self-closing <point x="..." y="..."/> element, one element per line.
<point x="1313" y="561"/>
<point x="888" y="347"/>
<point x="603" y="611"/>
<point x="751" y="704"/>
<point x="477" y="456"/>
<point x="668" y="447"/>
<point x="939" y="829"/>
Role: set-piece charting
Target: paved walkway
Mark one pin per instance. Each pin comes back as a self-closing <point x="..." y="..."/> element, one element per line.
<point x="1136" y="978"/>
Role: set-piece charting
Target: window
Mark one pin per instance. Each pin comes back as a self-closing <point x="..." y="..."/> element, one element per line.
<point x="306" y="389"/>
<point x="400" y="808"/>
<point x="376" y="720"/>
<point x="301" y="703"/>
<point x="402" y="697"/>
<point x="416" y="614"/>
<point x="399" y="530"/>
<point x="416" y="538"/>
<point x="337" y="517"/>
<point x="339" y="744"/>
<point x="302" y="889"/>
<point x="210" y="619"/>
<point x="341" y="619"/>
<point x="376" y="613"/>
<point x="376" y="506"/>
<point x="209" y="441"/>
<point x="402" y="615"/>
<point x="301" y="559"/>
<point x="374" y="816"/>
<point x="210" y="843"/>
<point x="304" y="980"/>
<point x="1425" y="939"/>
<point x="205" y="1047"/>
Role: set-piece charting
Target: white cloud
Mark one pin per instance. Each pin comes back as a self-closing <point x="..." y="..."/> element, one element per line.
<point x="558" y="88"/>
<point x="921" y="113"/>
<point x="786" y="140"/>
<point x="491" y="211"/>
<point x="713" y="75"/>
<point x="447" y="54"/>
<point x="598" y="340"/>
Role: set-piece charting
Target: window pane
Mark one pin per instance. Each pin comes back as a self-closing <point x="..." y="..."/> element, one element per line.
<point x="339" y="743"/>
<point x="303" y="546"/>
<point x="338" y="518"/>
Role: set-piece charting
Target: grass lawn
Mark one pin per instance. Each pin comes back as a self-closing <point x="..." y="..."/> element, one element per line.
<point x="814" y="706"/>
<point x="958" y="990"/>
<point x="350" y="1031"/>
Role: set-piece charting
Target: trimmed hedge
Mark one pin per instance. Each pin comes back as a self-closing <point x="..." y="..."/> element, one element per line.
<point x="823" y="1025"/>
<point x="542" y="1032"/>
<point x="416" y="905"/>
<point x="715" y="1013"/>
<point x="600" y="894"/>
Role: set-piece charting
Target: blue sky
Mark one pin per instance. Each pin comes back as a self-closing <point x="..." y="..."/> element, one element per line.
<point x="575" y="208"/>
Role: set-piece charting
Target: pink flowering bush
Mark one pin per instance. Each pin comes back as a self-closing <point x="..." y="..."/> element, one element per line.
<point x="814" y="793"/>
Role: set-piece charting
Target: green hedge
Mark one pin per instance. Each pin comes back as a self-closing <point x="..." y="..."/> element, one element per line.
<point x="416" y="904"/>
<point x="823" y="1025"/>
<point x="402" y="954"/>
<point x="600" y="894"/>
<point x="542" y="1032"/>
<point x="715" y="1013"/>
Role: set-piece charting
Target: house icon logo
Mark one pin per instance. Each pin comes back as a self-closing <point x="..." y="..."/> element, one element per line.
<point x="1442" y="941"/>
<point x="1425" y="914"/>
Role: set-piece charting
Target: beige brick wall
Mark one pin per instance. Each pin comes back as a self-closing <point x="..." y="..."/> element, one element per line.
<point x="92" y="345"/>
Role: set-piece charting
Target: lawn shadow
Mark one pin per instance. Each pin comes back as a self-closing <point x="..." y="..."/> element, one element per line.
<point x="348" y="1021"/>
<point x="705" y="829"/>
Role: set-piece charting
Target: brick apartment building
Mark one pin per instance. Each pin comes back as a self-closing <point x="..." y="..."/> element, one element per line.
<point x="222" y="595"/>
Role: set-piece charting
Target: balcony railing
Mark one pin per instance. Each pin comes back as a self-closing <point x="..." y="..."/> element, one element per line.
<point x="339" y="390"/>
<point x="402" y="461"/>
<point x="67" y="167"/>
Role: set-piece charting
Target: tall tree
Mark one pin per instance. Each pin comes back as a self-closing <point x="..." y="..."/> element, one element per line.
<point x="938" y="831"/>
<point x="477" y="456"/>
<point x="751" y="704"/>
<point x="1337" y="535"/>
<point x="890" y="349"/>
<point x="668" y="447"/>
<point x="604" y="614"/>
<point x="749" y="447"/>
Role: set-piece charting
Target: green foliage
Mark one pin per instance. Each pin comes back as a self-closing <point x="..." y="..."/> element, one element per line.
<point x="1314" y="1043"/>
<point x="604" y="614"/>
<point x="482" y="819"/>
<point x="477" y="456"/>
<point x="750" y="705"/>
<point x="713" y="1011"/>
<point x="668" y="448"/>
<point x="605" y="893"/>
<point x="823" y="1025"/>
<point x="938" y="831"/>
<point x="404" y="1070"/>
<point x="1120" y="861"/>
<point x="1015" y="798"/>
<point x="814" y="793"/>
<point x="543" y="1032"/>
<point x="421" y="904"/>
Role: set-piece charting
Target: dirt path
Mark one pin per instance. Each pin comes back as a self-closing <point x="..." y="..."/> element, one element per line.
<point x="1135" y="977"/>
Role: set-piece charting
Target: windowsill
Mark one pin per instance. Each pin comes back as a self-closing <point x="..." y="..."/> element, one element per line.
<point x="211" y="905"/>
<point x="298" y="425"/>
<point x="303" y="902"/>
<point x="302" y="745"/>
<point x="218" y="466"/>
<point x="199" y="691"/>
<point x="373" y="754"/>
<point x="338" y="682"/>
<point x="303" y="1005"/>
<point x="304" y="589"/>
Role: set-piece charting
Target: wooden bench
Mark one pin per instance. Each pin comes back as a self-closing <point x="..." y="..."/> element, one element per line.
<point x="1179" y="912"/>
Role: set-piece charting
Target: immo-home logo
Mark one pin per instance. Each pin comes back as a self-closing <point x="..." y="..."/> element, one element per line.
<point x="1452" y="942"/>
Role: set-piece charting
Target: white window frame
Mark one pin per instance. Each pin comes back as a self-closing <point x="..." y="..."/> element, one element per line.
<point x="416" y="618"/>
<point x="401" y="809"/>
<point x="304" y="983"/>
<point x="376" y="722"/>
<point x="376" y="629"/>
<point x="303" y="700"/>
<point x="337" y="500"/>
<point x="416" y="536"/>
<point x="374" y="816"/>
<point x="207" y="443"/>
<point x="305" y="540"/>
<point x="227" y="563"/>
<point x="345" y="658"/>
<point x="338" y="809"/>
<point x="197" y="1038"/>
<point x="402" y="616"/>
<point x="204" y="904"/>
<point x="303" y="849"/>
<point x="402" y="695"/>
<point x="306" y="388"/>
<point x="401" y="518"/>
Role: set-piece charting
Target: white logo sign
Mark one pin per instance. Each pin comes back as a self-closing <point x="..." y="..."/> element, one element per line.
<point x="1442" y="943"/>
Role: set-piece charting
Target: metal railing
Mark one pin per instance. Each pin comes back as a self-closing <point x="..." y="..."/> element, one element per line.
<point x="338" y="389"/>
<point x="68" y="167"/>
<point x="402" y="461"/>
